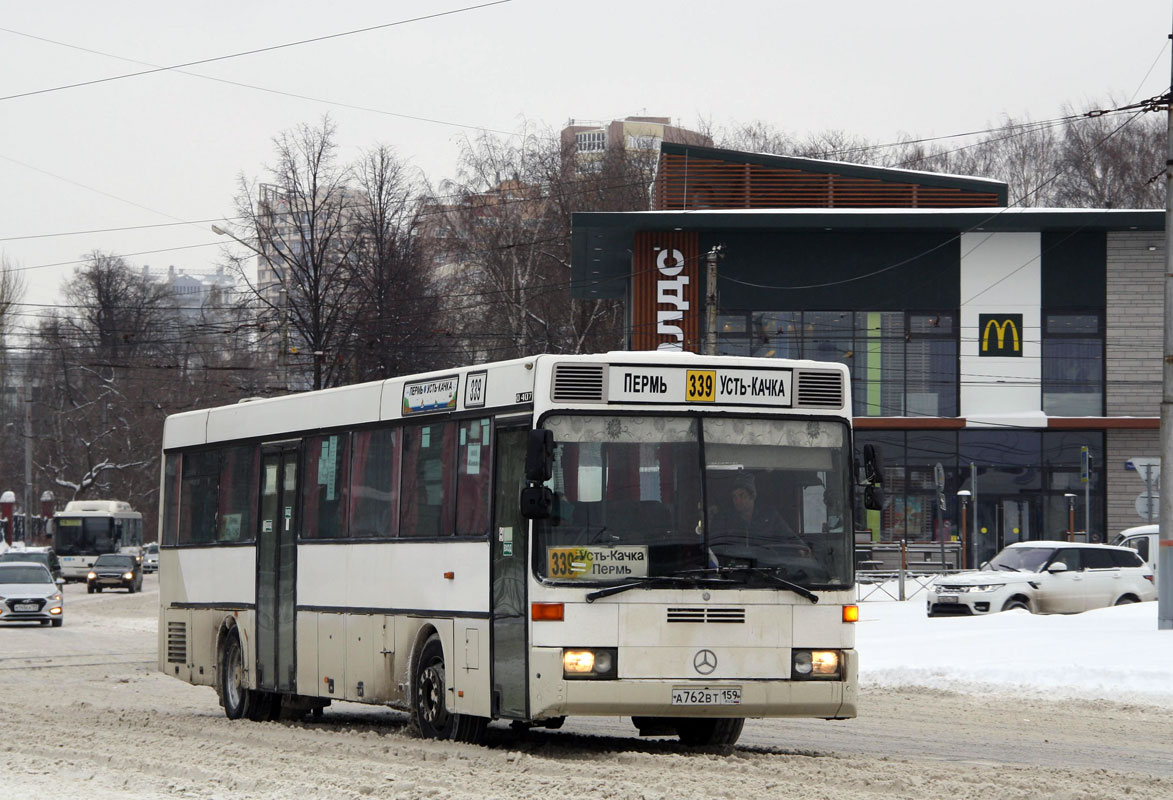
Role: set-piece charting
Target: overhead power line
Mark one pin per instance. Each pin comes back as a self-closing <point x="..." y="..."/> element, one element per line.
<point x="254" y="51"/>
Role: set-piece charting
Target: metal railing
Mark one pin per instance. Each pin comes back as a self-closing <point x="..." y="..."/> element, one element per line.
<point x="912" y="566"/>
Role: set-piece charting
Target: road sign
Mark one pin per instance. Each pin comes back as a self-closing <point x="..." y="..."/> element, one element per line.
<point x="1148" y="506"/>
<point x="1085" y="464"/>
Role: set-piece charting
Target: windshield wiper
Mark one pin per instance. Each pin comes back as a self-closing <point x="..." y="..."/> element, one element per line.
<point x="679" y="579"/>
<point x="765" y="572"/>
<point x="1008" y="567"/>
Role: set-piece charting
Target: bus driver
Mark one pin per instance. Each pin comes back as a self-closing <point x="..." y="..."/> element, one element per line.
<point x="747" y="519"/>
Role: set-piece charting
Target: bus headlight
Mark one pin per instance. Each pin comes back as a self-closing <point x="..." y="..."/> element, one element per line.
<point x="596" y="663"/>
<point x="815" y="665"/>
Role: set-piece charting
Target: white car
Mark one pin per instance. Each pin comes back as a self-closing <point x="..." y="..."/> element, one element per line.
<point x="151" y="557"/>
<point x="28" y="593"/>
<point x="1046" y="578"/>
<point x="1144" y="539"/>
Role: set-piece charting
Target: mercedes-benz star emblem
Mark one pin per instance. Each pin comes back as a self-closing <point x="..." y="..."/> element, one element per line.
<point x="704" y="662"/>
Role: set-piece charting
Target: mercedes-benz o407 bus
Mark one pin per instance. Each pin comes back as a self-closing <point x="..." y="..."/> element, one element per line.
<point x="660" y="536"/>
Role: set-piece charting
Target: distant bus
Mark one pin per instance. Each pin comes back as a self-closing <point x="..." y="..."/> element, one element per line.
<point x="88" y="528"/>
<point x="522" y="541"/>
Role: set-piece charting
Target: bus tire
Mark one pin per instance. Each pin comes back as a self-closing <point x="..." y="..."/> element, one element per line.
<point x="239" y="701"/>
<point x="429" y="709"/>
<point x="708" y="732"/>
<point x="265" y="706"/>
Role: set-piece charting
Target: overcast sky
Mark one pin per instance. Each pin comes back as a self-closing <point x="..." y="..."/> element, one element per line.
<point x="168" y="147"/>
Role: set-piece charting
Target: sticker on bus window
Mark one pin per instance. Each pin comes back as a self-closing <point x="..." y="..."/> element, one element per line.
<point x="597" y="563"/>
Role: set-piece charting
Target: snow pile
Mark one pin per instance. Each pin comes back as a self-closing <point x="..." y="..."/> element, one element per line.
<point x="1110" y="653"/>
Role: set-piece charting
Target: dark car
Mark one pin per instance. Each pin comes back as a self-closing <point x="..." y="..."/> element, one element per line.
<point x="45" y="556"/>
<point x="115" y="571"/>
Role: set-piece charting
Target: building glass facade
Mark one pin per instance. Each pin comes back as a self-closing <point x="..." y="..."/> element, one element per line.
<point x="1019" y="480"/>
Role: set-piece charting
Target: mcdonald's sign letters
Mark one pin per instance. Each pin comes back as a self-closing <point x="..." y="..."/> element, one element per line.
<point x="1000" y="335"/>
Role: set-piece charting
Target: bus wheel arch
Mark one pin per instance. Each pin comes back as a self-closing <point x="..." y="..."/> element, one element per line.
<point x="430" y="715"/>
<point x="238" y="700"/>
<point x="230" y="673"/>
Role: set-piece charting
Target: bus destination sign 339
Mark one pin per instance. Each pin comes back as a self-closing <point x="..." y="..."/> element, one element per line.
<point x="710" y="386"/>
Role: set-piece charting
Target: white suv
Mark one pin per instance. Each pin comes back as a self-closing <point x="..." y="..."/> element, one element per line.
<point x="1046" y="578"/>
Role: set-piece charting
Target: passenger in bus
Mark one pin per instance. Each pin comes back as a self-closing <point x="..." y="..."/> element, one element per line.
<point x="745" y="517"/>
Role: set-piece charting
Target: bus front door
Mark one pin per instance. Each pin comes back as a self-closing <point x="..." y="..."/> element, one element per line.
<point x="277" y="570"/>
<point x="510" y="565"/>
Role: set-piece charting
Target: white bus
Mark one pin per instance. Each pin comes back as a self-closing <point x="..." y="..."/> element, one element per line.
<point x="522" y="541"/>
<point x="88" y="528"/>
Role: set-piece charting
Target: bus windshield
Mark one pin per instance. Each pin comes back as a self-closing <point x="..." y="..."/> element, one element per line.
<point x="750" y="498"/>
<point x="77" y="536"/>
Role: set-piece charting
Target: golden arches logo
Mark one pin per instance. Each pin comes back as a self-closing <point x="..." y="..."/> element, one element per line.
<point x="1006" y="328"/>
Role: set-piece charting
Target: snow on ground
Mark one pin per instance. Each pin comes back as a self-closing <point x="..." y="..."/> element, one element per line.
<point x="1113" y="653"/>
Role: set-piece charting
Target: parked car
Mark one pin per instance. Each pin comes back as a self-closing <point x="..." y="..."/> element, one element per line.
<point x="1144" y="539"/>
<point x="151" y="557"/>
<point x="1046" y="577"/>
<point x="115" y="571"/>
<point x="28" y="593"/>
<point x="41" y="555"/>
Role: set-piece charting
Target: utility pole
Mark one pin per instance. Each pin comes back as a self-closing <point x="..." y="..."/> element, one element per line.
<point x="711" y="301"/>
<point x="1165" y="555"/>
<point x="27" y="395"/>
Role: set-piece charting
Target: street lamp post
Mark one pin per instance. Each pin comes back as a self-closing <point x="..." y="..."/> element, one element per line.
<point x="963" y="495"/>
<point x="1070" y="516"/>
<point x="282" y="310"/>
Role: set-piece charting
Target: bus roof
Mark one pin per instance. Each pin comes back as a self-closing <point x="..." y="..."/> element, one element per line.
<point x="494" y="386"/>
<point x="96" y="506"/>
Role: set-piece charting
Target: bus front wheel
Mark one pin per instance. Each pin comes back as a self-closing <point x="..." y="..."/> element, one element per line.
<point x="429" y="706"/>
<point x="705" y="732"/>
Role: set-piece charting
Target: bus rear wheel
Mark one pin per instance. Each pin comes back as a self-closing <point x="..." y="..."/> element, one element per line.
<point x="705" y="732"/>
<point x="429" y="708"/>
<point x="239" y="701"/>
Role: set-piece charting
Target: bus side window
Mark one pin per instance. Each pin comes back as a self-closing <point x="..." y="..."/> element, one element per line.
<point x="171" y="499"/>
<point x="473" y="464"/>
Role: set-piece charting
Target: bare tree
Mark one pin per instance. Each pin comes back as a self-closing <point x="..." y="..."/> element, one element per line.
<point x="302" y="225"/>
<point x="104" y="381"/>
<point x="1112" y="161"/>
<point x="394" y="313"/>
<point x="509" y="216"/>
<point x="12" y="288"/>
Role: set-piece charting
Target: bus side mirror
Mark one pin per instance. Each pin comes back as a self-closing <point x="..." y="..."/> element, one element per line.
<point x="539" y="456"/>
<point x="536" y="502"/>
<point x="873" y="496"/>
<point x="871" y="464"/>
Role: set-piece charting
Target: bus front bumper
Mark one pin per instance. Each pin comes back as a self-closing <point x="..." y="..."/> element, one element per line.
<point x="826" y="699"/>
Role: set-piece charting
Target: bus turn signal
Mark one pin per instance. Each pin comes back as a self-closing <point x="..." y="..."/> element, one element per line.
<point x="546" y="612"/>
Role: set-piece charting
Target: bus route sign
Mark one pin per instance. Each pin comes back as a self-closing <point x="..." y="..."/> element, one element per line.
<point x="682" y="386"/>
<point x="570" y="563"/>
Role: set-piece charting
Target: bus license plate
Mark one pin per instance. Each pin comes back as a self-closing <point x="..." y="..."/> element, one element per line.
<point x="729" y="696"/>
<point x="25" y="607"/>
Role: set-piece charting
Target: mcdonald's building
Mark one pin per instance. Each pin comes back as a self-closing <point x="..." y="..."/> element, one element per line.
<point x="1020" y="349"/>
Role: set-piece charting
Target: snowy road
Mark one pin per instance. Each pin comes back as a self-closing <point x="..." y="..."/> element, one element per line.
<point x="86" y="714"/>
